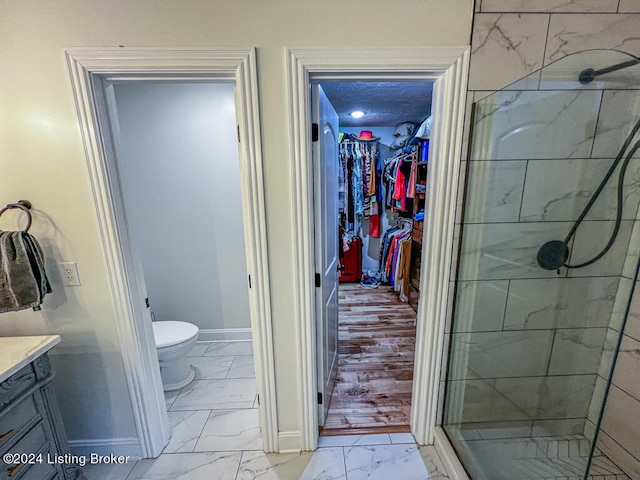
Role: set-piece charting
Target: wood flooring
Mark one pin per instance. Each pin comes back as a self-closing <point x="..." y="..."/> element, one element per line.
<point x="376" y="344"/>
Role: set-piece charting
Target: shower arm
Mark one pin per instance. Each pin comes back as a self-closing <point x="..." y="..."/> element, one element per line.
<point x="589" y="74"/>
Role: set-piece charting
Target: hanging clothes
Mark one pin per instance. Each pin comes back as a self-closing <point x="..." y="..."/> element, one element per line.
<point x="399" y="177"/>
<point x="359" y="185"/>
<point x="395" y="257"/>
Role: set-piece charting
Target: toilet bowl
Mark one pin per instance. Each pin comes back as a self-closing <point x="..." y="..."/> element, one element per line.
<point x="174" y="340"/>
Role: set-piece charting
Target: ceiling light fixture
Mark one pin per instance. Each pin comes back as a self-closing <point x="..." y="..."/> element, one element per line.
<point x="357" y="114"/>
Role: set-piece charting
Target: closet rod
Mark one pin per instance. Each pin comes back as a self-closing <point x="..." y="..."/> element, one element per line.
<point x="400" y="157"/>
<point x="366" y="142"/>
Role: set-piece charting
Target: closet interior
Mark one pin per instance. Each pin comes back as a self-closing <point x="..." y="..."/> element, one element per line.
<point x="382" y="187"/>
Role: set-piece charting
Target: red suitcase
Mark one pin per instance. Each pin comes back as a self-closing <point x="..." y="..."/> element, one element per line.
<point x="351" y="263"/>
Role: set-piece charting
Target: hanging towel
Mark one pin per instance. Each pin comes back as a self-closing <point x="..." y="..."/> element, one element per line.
<point x="23" y="280"/>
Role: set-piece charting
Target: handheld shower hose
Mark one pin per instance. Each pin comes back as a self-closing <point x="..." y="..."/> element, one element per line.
<point x="554" y="254"/>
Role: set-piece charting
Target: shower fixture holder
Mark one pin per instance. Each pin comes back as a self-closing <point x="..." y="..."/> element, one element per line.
<point x="553" y="255"/>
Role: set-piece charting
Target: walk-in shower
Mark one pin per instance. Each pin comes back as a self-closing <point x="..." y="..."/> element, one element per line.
<point x="538" y="321"/>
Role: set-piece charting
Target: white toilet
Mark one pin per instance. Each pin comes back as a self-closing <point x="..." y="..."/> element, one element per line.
<point x="174" y="340"/>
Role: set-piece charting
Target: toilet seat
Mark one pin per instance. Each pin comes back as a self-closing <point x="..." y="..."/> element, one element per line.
<point x="171" y="333"/>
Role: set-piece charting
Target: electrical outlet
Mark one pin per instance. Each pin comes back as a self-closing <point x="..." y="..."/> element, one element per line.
<point x="69" y="272"/>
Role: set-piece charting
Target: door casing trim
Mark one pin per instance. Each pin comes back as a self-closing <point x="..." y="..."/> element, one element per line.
<point x="448" y="68"/>
<point x="136" y="338"/>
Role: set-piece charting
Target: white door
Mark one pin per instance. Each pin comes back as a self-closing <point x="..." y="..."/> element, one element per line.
<point x="325" y="160"/>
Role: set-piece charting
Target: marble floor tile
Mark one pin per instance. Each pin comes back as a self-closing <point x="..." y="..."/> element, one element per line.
<point x="187" y="466"/>
<point x="351" y="440"/>
<point x="108" y="471"/>
<point x="216" y="394"/>
<point x="383" y="462"/>
<point x="185" y="428"/>
<point x="198" y="349"/>
<point x="242" y="367"/>
<point x="402" y="438"/>
<point x="170" y="397"/>
<point x="433" y="463"/>
<point x="211" y="367"/>
<point x="323" y="464"/>
<point x="230" y="348"/>
<point x="213" y="346"/>
<point x="228" y="430"/>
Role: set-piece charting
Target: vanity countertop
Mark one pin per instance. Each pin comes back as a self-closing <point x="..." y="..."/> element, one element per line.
<point x="16" y="352"/>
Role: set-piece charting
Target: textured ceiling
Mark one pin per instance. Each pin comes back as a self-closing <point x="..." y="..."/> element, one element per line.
<point x="386" y="103"/>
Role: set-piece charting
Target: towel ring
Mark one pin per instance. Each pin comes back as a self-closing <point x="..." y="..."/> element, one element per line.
<point x="25" y="206"/>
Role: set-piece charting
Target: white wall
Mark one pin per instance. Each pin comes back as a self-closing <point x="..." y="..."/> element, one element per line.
<point x="180" y="174"/>
<point x="42" y="156"/>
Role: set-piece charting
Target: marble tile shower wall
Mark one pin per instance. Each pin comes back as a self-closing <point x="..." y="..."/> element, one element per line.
<point x="533" y="345"/>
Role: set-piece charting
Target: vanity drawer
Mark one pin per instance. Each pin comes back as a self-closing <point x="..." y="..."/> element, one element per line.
<point x="32" y="444"/>
<point x="16" y="384"/>
<point x="16" y="420"/>
<point x="35" y="471"/>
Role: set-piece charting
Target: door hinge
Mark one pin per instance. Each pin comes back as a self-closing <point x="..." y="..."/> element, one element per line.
<point x="318" y="279"/>
<point x="319" y="398"/>
<point x="258" y="399"/>
<point x="238" y="127"/>
<point x="249" y="281"/>
<point x="146" y="302"/>
<point x="315" y="132"/>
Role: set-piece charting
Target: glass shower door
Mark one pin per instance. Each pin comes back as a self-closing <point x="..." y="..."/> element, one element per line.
<point x="531" y="346"/>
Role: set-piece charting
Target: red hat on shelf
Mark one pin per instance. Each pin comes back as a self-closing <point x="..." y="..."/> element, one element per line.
<point x="366" y="135"/>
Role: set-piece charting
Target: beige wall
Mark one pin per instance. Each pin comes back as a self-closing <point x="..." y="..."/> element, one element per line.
<point x="42" y="157"/>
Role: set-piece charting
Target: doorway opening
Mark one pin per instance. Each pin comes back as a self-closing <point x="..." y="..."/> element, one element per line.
<point x="176" y="166"/>
<point x="87" y="68"/>
<point x="375" y="196"/>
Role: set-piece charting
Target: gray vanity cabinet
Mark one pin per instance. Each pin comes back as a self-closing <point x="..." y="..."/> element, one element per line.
<point x="30" y="425"/>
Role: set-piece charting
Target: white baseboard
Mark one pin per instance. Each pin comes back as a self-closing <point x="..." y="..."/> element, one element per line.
<point x="128" y="446"/>
<point x="448" y="456"/>
<point x="290" y="442"/>
<point x="225" y="335"/>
